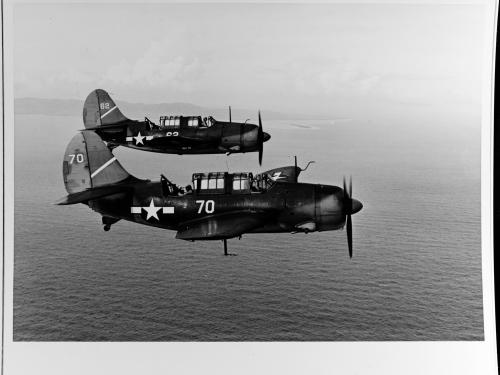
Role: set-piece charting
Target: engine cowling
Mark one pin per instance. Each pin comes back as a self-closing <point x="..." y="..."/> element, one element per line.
<point x="329" y="212"/>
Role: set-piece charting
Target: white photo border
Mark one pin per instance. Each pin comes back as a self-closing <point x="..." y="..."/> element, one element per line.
<point x="475" y="357"/>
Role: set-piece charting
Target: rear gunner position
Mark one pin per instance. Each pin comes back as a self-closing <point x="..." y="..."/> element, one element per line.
<point x="215" y="206"/>
<point x="172" y="134"/>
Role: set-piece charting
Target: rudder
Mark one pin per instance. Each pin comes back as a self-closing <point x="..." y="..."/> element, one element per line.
<point x="99" y="109"/>
<point x="88" y="164"/>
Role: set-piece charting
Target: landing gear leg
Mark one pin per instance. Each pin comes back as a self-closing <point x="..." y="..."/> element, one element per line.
<point x="225" y="248"/>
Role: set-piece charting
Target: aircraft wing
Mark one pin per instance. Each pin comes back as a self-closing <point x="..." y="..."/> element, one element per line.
<point x="222" y="226"/>
<point x="178" y="140"/>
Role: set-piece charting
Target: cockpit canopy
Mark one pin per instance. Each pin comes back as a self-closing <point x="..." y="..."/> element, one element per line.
<point x="170" y="121"/>
<point x="224" y="183"/>
<point x="174" y="122"/>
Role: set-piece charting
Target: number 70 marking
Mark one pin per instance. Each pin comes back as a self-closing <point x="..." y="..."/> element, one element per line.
<point x="79" y="158"/>
<point x="209" y="206"/>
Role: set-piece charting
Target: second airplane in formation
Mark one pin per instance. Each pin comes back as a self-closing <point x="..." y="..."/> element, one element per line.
<point x="172" y="134"/>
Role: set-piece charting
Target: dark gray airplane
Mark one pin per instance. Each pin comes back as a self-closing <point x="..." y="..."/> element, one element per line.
<point x="217" y="206"/>
<point x="173" y="134"/>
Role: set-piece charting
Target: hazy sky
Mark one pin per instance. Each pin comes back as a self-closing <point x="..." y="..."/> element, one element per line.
<point x="332" y="59"/>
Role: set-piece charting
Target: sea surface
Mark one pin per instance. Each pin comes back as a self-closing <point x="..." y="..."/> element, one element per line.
<point x="415" y="274"/>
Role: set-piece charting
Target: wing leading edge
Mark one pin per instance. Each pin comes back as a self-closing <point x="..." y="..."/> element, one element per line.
<point x="222" y="226"/>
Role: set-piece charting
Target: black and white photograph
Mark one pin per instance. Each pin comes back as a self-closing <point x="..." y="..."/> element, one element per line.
<point x="248" y="187"/>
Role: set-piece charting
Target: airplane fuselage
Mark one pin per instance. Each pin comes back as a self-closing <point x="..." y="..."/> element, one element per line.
<point x="221" y="137"/>
<point x="285" y="207"/>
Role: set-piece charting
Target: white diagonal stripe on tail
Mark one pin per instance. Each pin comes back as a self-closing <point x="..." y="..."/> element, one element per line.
<point x="107" y="113"/>
<point x="97" y="171"/>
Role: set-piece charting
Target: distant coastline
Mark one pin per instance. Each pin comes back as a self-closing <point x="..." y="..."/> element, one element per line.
<point x="72" y="107"/>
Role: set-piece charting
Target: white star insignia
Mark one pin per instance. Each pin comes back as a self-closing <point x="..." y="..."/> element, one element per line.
<point x="152" y="210"/>
<point x="139" y="139"/>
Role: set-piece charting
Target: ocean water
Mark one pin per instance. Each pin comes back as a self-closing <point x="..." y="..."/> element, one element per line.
<point x="415" y="274"/>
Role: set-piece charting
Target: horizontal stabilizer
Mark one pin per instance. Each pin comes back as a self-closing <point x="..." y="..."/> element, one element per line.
<point x="118" y="126"/>
<point x="90" y="194"/>
<point x="221" y="226"/>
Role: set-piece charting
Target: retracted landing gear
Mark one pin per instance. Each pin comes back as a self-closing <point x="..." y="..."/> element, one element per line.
<point x="108" y="221"/>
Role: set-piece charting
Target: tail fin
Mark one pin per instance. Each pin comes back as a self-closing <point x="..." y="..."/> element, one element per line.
<point x="88" y="164"/>
<point x="99" y="109"/>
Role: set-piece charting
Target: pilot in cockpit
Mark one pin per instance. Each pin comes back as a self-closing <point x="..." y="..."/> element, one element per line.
<point x="209" y="121"/>
<point x="149" y="123"/>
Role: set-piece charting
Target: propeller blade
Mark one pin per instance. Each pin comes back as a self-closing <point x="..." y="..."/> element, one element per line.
<point x="260" y="140"/>
<point x="346" y="194"/>
<point x="350" y="186"/>
<point x="349" y="235"/>
<point x="348" y="210"/>
<point x="295" y="170"/>
<point x="230" y="114"/>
